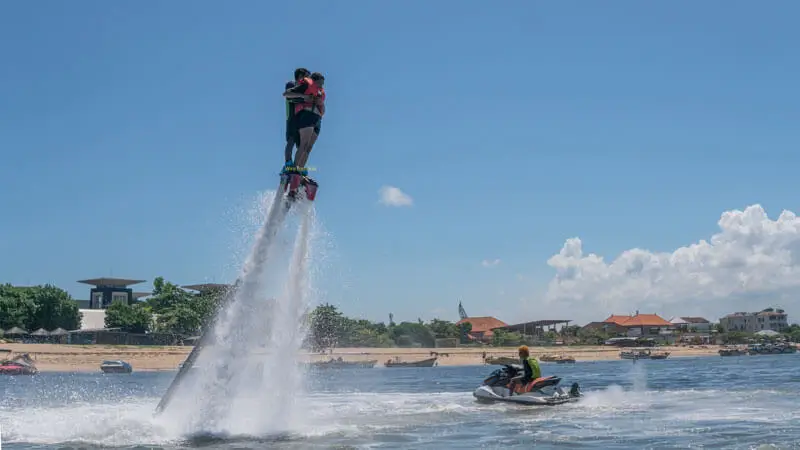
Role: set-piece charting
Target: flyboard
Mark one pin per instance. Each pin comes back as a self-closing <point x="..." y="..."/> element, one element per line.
<point x="292" y="187"/>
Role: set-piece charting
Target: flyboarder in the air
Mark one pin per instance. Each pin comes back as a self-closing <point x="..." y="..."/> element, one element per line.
<point x="308" y="113"/>
<point x="305" y="107"/>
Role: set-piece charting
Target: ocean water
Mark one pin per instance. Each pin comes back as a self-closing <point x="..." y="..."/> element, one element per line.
<point x="732" y="403"/>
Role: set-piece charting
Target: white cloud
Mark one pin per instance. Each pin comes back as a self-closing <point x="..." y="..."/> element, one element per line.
<point x="392" y="196"/>
<point x="752" y="263"/>
<point x="490" y="262"/>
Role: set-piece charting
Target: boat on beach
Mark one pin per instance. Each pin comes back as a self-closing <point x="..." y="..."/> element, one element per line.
<point x="731" y="350"/>
<point x="19" y="365"/>
<point x="117" y="366"/>
<point x="771" y="349"/>
<point x="501" y="360"/>
<point x="430" y="362"/>
<point x="643" y="354"/>
<point x="339" y="363"/>
<point x="558" y="359"/>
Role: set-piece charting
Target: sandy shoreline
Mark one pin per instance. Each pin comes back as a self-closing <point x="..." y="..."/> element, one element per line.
<point x="87" y="358"/>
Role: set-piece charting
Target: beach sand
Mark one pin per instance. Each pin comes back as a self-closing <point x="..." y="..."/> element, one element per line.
<point x="87" y="358"/>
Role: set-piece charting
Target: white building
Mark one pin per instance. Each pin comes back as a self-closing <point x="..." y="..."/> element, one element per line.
<point x="93" y="319"/>
<point x="692" y="324"/>
<point x="768" y="319"/>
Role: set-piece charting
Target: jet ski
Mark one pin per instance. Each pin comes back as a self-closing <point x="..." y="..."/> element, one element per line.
<point x="541" y="391"/>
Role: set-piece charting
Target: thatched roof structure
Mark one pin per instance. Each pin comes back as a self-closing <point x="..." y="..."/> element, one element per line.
<point x="16" y="331"/>
<point x="40" y="332"/>
<point x="59" y="332"/>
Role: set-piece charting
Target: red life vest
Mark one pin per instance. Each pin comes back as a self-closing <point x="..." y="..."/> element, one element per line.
<point x="315" y="90"/>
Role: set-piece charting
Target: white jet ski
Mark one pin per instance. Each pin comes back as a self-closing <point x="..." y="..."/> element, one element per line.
<point x="541" y="391"/>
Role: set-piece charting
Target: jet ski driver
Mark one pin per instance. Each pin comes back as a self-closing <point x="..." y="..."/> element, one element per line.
<point x="530" y="366"/>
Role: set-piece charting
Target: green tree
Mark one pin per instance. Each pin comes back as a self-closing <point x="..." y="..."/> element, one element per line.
<point x="443" y="329"/>
<point x="466" y="329"/>
<point x="415" y="333"/>
<point x="37" y="307"/>
<point x="129" y="318"/>
<point x="181" y="312"/>
<point x="16" y="307"/>
<point x="55" y="308"/>
<point x="181" y="319"/>
<point x="327" y="327"/>
<point x="368" y="337"/>
<point x="735" y="337"/>
<point x="593" y="336"/>
<point x="166" y="295"/>
<point x="503" y="338"/>
<point x="793" y="332"/>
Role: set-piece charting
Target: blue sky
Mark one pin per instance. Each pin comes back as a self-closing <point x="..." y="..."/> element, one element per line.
<point x="132" y="135"/>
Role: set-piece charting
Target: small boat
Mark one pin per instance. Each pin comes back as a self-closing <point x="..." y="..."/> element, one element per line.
<point x="558" y="359"/>
<point x="771" y="349"/>
<point x="565" y="359"/>
<point x="731" y="351"/>
<point x="659" y="355"/>
<point x="118" y="366"/>
<point x="501" y="360"/>
<point x="20" y="365"/>
<point x="635" y="354"/>
<point x="430" y="362"/>
<point x="340" y="364"/>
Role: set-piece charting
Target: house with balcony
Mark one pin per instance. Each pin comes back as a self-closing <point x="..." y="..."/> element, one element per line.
<point x="753" y="322"/>
<point x="693" y="330"/>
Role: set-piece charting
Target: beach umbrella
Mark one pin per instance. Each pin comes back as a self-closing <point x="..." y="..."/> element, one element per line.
<point x="16" y="331"/>
<point x="40" y="332"/>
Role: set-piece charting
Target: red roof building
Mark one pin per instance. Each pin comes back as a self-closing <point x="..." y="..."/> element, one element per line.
<point x="482" y="327"/>
<point x="638" y="320"/>
<point x="639" y="324"/>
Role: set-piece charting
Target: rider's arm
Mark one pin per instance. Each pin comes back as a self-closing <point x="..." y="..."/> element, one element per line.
<point x="289" y="86"/>
<point x="297" y="91"/>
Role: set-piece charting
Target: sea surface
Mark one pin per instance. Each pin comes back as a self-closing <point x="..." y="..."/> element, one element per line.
<point x="733" y="403"/>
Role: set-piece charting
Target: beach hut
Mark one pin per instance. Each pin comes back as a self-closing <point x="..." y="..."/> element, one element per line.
<point x="59" y="335"/>
<point x="40" y="335"/>
<point x="15" y="334"/>
<point x="16" y="331"/>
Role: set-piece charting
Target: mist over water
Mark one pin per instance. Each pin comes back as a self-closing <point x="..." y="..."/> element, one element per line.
<point x="727" y="403"/>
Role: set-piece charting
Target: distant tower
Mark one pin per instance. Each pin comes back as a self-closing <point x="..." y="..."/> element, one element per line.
<point x="461" y="312"/>
<point x="391" y="319"/>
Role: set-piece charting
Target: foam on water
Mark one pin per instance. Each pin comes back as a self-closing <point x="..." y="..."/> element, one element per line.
<point x="611" y="416"/>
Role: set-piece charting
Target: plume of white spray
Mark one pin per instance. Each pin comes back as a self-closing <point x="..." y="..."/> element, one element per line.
<point x="281" y="373"/>
<point x="248" y="380"/>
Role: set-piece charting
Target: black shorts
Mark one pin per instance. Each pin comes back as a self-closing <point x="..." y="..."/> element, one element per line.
<point x="306" y="119"/>
<point x="317" y="128"/>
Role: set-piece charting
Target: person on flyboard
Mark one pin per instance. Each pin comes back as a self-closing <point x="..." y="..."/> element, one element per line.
<point x="307" y="119"/>
<point x="292" y="137"/>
